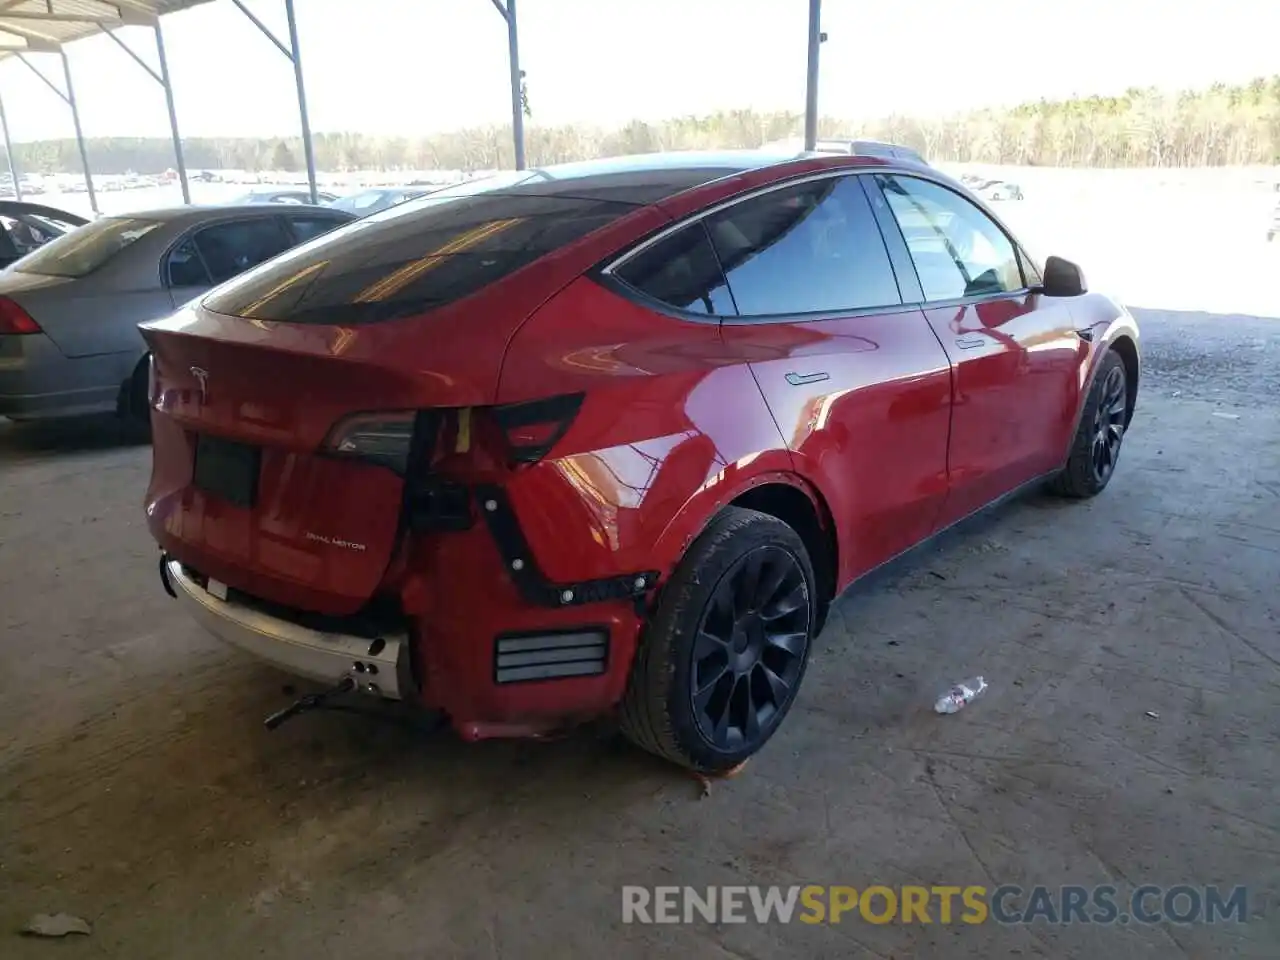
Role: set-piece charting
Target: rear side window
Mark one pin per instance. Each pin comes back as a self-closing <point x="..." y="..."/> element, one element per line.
<point x="413" y="257"/>
<point x="82" y="251"/>
<point x="810" y="248"/>
<point x="185" y="268"/>
<point x="231" y="248"/>
<point x="681" y="271"/>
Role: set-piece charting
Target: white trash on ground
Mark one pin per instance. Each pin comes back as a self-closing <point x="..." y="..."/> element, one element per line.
<point x="961" y="695"/>
<point x="55" y="925"/>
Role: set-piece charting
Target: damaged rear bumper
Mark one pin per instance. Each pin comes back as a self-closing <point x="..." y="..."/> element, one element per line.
<point x="379" y="666"/>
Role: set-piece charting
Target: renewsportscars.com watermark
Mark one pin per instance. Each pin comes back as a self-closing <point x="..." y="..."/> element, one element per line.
<point x="1008" y="904"/>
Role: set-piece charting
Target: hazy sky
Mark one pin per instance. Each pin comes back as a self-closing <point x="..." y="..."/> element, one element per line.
<point x="416" y="66"/>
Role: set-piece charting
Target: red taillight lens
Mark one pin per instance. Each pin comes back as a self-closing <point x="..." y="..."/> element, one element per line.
<point x="528" y="433"/>
<point x="382" y="438"/>
<point x="533" y="428"/>
<point x="14" y="320"/>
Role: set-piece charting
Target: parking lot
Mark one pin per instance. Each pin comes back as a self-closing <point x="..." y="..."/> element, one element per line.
<point x="1129" y="736"/>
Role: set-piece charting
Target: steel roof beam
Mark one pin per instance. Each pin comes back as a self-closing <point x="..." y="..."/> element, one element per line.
<point x="507" y="11"/>
<point x="161" y="77"/>
<point x="294" y="55"/>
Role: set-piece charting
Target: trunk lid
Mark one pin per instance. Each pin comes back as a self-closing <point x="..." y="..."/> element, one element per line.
<point x="241" y="490"/>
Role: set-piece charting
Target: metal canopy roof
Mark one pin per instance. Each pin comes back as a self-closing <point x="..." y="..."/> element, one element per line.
<point x="43" y="26"/>
<point x="47" y="26"/>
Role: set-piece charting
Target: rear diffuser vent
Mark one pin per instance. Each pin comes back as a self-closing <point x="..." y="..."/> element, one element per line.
<point x="582" y="653"/>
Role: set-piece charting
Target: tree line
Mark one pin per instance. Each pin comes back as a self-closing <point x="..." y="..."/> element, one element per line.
<point x="1221" y="125"/>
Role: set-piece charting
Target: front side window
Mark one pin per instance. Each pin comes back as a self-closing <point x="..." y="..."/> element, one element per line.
<point x="810" y="248"/>
<point x="681" y="271"/>
<point x="958" y="251"/>
<point x="79" y="253"/>
<point x="233" y="247"/>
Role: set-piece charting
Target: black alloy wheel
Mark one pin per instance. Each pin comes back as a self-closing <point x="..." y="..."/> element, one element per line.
<point x="1108" y="425"/>
<point x="1104" y="421"/>
<point x="723" y="655"/>
<point x="749" y="651"/>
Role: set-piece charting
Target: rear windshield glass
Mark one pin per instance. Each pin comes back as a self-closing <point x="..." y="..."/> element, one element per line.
<point x="84" y="250"/>
<point x="416" y="256"/>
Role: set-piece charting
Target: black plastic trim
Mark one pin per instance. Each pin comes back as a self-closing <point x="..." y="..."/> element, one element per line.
<point x="559" y="410"/>
<point x="904" y="269"/>
<point x="534" y="586"/>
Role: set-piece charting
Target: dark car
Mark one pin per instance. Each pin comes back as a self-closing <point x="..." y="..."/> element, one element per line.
<point x="27" y="226"/>
<point x="69" y="311"/>
<point x="285" y="195"/>
<point x="612" y="436"/>
<point x="377" y="199"/>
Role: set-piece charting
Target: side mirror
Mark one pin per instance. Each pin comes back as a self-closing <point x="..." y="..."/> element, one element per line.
<point x="1062" y="278"/>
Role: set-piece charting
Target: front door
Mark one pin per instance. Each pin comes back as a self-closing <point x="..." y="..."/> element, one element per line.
<point x="1017" y="358"/>
<point x="854" y="377"/>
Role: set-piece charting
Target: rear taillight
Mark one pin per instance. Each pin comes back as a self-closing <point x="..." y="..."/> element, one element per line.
<point x="534" y="427"/>
<point x="14" y="320"/>
<point x="526" y="432"/>
<point x="381" y="438"/>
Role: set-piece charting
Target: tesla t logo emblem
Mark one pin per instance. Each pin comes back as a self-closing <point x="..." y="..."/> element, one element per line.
<point x="202" y="377"/>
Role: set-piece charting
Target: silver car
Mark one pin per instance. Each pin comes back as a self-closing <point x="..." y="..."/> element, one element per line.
<point x="69" y="311"/>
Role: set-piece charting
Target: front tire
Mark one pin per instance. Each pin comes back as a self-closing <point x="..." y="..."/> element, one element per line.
<point x="1095" y="450"/>
<point x="721" y="661"/>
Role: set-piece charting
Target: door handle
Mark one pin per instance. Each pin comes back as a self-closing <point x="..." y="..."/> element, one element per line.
<point x="968" y="343"/>
<point x="800" y="379"/>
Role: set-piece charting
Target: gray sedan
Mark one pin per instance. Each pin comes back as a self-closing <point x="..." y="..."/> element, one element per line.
<point x="69" y="311"/>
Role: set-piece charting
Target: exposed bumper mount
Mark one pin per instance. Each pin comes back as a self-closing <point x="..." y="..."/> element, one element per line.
<point x="379" y="667"/>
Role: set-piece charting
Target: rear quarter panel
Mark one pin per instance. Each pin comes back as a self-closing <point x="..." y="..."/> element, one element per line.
<point x="672" y="428"/>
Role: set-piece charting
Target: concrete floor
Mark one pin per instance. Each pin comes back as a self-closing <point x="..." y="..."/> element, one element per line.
<point x="139" y="790"/>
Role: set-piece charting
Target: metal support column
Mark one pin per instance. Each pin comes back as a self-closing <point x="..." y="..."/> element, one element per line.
<point x="811" y="80"/>
<point x="295" y="58"/>
<point x="508" y="12"/>
<point x="173" y="115"/>
<point x="69" y="98"/>
<point x="161" y="77"/>
<point x="80" y="132"/>
<point x="8" y="152"/>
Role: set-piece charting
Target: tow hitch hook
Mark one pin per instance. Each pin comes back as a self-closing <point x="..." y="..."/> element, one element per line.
<point x="164" y="575"/>
<point x="312" y="701"/>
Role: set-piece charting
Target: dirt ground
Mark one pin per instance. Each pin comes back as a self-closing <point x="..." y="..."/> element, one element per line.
<point x="1129" y="735"/>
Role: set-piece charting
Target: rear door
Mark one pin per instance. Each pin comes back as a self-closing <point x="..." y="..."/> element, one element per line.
<point x="1017" y="358"/>
<point x="222" y="250"/>
<point x="852" y="372"/>
<point x="308" y="226"/>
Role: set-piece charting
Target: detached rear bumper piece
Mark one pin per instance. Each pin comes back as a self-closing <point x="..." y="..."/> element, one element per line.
<point x="379" y="666"/>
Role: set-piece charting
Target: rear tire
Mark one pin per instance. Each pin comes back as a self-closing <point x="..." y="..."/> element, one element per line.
<point x="135" y="406"/>
<point x="1095" y="449"/>
<point x="721" y="661"/>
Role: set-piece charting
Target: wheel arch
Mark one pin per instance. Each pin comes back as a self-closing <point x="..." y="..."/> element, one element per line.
<point x="1127" y="350"/>
<point x="781" y="494"/>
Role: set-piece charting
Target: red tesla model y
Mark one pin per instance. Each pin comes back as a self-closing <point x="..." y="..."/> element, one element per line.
<point x="611" y="436"/>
